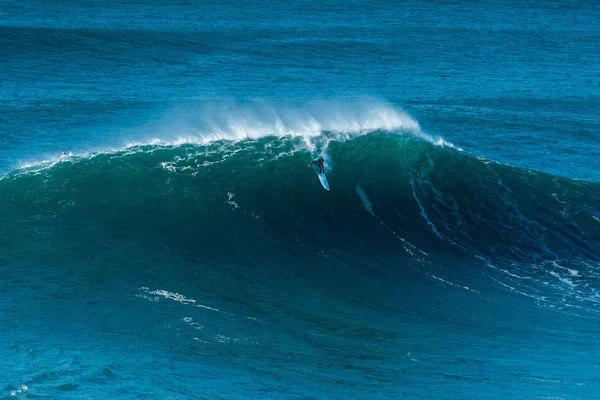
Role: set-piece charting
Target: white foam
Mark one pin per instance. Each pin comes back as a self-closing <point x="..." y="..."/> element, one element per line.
<point x="489" y="264"/>
<point x="175" y="297"/>
<point x="566" y="294"/>
<point x="230" y="201"/>
<point x="572" y="272"/>
<point x="452" y="284"/>
<point x="340" y="120"/>
<point x="232" y="121"/>
<point x="169" y="166"/>
<point x="190" y="322"/>
<point x="564" y="280"/>
<point x="22" y="390"/>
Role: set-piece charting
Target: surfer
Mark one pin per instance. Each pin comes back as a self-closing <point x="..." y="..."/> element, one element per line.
<point x="319" y="161"/>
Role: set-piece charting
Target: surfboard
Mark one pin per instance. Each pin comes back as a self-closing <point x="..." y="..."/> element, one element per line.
<point x="323" y="180"/>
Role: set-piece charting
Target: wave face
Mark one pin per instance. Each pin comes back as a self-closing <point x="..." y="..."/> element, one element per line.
<point x="403" y="203"/>
<point x="219" y="260"/>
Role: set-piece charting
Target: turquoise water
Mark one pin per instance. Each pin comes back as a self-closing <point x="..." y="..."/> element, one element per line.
<point x="181" y="249"/>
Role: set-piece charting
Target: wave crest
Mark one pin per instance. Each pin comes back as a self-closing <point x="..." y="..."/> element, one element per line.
<point x="205" y="123"/>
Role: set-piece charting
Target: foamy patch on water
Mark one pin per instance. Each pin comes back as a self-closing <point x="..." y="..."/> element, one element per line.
<point x="230" y="201"/>
<point x="490" y="265"/>
<point x="22" y="390"/>
<point x="572" y="272"/>
<point x="169" y="166"/>
<point x="549" y="283"/>
<point x="538" y="298"/>
<point x="190" y="322"/>
<point x="149" y="298"/>
<point x="452" y="284"/>
<point x="563" y="279"/>
<point x="175" y="297"/>
<point x="226" y="339"/>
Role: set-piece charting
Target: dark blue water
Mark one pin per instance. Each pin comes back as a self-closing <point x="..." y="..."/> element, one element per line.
<point x="181" y="249"/>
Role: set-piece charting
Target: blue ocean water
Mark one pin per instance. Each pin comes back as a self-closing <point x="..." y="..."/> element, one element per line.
<point x="181" y="249"/>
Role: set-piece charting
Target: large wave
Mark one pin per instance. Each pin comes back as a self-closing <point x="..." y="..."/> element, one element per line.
<point x="400" y="203"/>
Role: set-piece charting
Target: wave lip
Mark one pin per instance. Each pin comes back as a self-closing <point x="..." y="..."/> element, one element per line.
<point x="316" y="123"/>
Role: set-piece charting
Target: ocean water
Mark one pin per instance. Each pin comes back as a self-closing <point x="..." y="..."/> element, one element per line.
<point x="181" y="248"/>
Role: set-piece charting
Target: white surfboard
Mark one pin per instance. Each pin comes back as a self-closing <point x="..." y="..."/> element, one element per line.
<point x="323" y="179"/>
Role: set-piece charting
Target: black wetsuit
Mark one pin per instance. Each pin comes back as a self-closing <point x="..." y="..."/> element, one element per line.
<point x="319" y="161"/>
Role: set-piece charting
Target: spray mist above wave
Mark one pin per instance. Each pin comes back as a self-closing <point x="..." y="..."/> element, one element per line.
<point x="204" y="123"/>
<point x="317" y="123"/>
